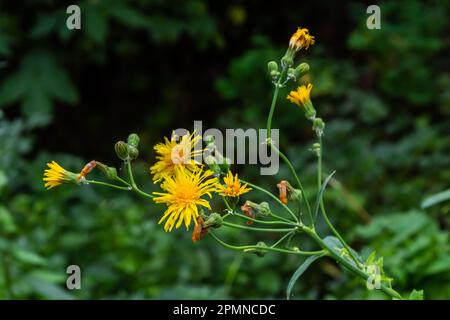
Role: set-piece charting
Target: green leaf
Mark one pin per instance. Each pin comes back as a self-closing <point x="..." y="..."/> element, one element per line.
<point x="297" y="274"/>
<point x="436" y="198"/>
<point x="416" y="295"/>
<point x="320" y="195"/>
<point x="29" y="257"/>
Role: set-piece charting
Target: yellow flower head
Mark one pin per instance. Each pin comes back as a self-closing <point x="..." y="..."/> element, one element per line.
<point x="184" y="191"/>
<point x="232" y="187"/>
<point x="301" y="96"/>
<point x="301" y="39"/>
<point x="56" y="175"/>
<point x="173" y="154"/>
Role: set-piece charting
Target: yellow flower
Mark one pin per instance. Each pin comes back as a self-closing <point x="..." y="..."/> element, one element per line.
<point x="232" y="187"/>
<point x="301" y="39"/>
<point x="301" y="96"/>
<point x="172" y="155"/>
<point x="56" y="175"/>
<point x="184" y="191"/>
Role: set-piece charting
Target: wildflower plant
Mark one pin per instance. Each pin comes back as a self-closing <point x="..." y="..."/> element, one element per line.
<point x="187" y="187"/>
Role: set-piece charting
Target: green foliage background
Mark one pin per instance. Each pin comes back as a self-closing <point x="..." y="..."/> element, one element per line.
<point x="149" y="66"/>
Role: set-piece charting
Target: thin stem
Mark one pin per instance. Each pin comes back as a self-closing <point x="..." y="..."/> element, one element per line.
<point x="133" y="184"/>
<point x="123" y="181"/>
<point x="107" y="184"/>
<point x="324" y="213"/>
<point x="238" y="226"/>
<point x="291" y="167"/>
<point x="282" y="239"/>
<point x="276" y="199"/>
<point x="389" y="291"/>
<point x="272" y="107"/>
<point x="235" y="214"/>
<point x="249" y="247"/>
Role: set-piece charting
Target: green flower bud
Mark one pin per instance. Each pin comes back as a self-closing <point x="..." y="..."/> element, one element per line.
<point x="301" y="70"/>
<point x="109" y="172"/>
<point x="274" y="74"/>
<point x="260" y="252"/>
<point x="133" y="152"/>
<point x="316" y="148"/>
<point x="121" y="149"/>
<point x="133" y="140"/>
<point x="272" y="66"/>
<point x="318" y="126"/>
<point x="214" y="220"/>
<point x="287" y="61"/>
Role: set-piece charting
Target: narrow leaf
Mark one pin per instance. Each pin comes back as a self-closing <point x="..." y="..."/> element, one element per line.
<point x="436" y="198"/>
<point x="297" y="274"/>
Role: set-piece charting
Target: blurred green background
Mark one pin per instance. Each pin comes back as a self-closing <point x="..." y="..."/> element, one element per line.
<point x="149" y="66"/>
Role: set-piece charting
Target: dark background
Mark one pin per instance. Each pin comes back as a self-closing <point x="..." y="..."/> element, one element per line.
<point x="152" y="66"/>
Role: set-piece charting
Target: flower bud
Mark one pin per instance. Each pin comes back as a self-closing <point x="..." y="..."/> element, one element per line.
<point x="121" y="149"/>
<point x="316" y="148"/>
<point x="133" y="152"/>
<point x="272" y="66"/>
<point x="214" y="220"/>
<point x="133" y="140"/>
<point x="301" y="70"/>
<point x="287" y="61"/>
<point x="260" y="252"/>
<point x="318" y="126"/>
<point x="109" y="172"/>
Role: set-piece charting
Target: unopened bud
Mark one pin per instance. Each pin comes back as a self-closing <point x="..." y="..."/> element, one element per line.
<point x="301" y="70"/>
<point x="318" y="126"/>
<point x="214" y="220"/>
<point x="316" y="148"/>
<point x="133" y="140"/>
<point x="133" y="152"/>
<point x="121" y="149"/>
<point x="260" y="251"/>
<point x="272" y="66"/>
<point x="109" y="172"/>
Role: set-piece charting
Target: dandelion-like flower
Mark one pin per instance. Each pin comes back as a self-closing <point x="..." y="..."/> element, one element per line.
<point x="173" y="154"/>
<point x="232" y="187"/>
<point x="301" y="39"/>
<point x="301" y="96"/>
<point x="55" y="175"/>
<point x="184" y="192"/>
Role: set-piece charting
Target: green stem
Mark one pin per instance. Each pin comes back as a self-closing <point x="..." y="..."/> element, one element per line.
<point x="324" y="213"/>
<point x="282" y="239"/>
<point x="235" y="214"/>
<point x="133" y="184"/>
<point x="100" y="183"/>
<point x="276" y="199"/>
<point x="241" y="248"/>
<point x="299" y="183"/>
<point x="389" y="291"/>
<point x="238" y="226"/>
<point x="272" y="107"/>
